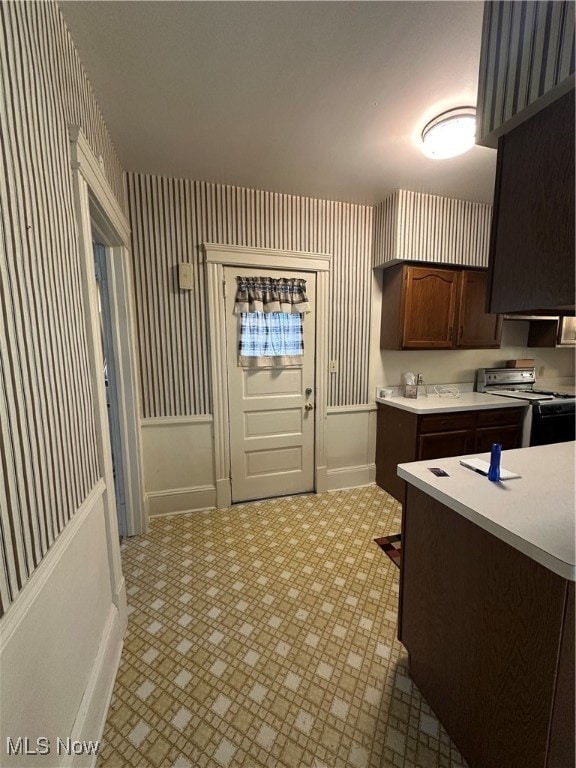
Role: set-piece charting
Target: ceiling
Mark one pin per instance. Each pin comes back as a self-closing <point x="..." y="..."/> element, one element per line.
<point x="320" y="99"/>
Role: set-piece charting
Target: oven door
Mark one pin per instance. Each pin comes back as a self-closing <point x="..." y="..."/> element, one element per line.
<point x="552" y="423"/>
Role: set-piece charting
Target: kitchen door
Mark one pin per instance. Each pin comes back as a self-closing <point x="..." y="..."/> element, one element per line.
<point x="272" y="409"/>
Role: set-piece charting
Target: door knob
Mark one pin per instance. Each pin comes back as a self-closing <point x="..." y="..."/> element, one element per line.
<point x="309" y="407"/>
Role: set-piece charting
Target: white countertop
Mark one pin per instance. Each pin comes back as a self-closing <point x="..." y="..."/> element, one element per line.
<point x="467" y="401"/>
<point x="534" y="513"/>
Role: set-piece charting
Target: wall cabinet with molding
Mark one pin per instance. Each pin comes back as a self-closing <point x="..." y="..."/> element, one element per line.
<point x="426" y="307"/>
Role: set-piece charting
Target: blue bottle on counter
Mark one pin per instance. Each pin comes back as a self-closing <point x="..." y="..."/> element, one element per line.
<point x="494" y="471"/>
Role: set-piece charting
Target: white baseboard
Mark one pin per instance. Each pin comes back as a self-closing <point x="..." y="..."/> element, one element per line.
<point x="350" y="477"/>
<point x="181" y="500"/>
<point x="91" y="717"/>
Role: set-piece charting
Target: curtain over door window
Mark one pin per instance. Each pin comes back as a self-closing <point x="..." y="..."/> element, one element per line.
<point x="271" y="314"/>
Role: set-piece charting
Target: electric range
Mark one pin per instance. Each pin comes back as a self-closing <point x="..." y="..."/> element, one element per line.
<point x="552" y="415"/>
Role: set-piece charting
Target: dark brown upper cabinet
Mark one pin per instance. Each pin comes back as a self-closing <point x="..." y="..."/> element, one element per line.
<point x="426" y="307"/>
<point x="476" y="327"/>
<point x="531" y="263"/>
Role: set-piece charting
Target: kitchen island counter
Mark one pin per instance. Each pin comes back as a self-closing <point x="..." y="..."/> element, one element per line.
<point x="534" y="513"/>
<point x="486" y="607"/>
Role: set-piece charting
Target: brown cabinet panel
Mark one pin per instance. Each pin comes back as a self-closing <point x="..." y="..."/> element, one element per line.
<point x="508" y="436"/>
<point x="562" y="750"/>
<point x="440" y="445"/>
<point x="476" y="328"/>
<point x="430" y="308"/>
<point x="500" y="619"/>
<point x="556" y="332"/>
<point x="532" y="238"/>
<point x="500" y="416"/>
<point x="396" y="431"/>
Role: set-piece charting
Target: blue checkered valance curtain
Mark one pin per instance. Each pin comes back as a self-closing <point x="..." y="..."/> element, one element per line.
<point x="271" y="310"/>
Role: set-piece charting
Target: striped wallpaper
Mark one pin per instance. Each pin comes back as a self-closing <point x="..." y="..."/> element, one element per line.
<point x="442" y="230"/>
<point x="48" y="459"/>
<point x="172" y="218"/>
<point x="527" y="49"/>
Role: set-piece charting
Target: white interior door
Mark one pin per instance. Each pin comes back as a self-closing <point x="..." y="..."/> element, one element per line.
<point x="271" y="410"/>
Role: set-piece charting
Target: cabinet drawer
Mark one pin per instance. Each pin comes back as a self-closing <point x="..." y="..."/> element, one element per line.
<point x="445" y="422"/>
<point x="440" y="445"/>
<point x="500" y="416"/>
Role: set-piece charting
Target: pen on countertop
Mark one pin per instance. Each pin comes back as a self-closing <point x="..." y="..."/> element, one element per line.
<point x="474" y="469"/>
<point x="479" y="470"/>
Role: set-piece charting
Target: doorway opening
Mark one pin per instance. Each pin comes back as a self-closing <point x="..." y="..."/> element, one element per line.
<point x="107" y="290"/>
<point x="111" y="383"/>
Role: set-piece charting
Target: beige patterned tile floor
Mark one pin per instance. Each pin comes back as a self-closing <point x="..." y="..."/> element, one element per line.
<point x="265" y="635"/>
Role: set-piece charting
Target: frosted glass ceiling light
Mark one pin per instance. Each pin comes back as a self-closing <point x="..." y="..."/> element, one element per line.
<point x="451" y="133"/>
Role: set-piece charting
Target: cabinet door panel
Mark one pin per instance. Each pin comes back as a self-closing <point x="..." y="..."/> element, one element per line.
<point x="476" y="328"/>
<point x="429" y="308"/>
<point x="440" y="445"/>
<point x="532" y="238"/>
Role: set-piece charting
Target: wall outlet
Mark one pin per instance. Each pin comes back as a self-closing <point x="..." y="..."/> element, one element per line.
<point x="333" y="366"/>
<point x="541" y="371"/>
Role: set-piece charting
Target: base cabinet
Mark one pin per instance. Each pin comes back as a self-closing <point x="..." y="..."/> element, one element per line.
<point x="404" y="436"/>
<point x="490" y="637"/>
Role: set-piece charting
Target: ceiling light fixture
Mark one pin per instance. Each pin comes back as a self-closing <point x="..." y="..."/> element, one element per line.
<point x="451" y="133"/>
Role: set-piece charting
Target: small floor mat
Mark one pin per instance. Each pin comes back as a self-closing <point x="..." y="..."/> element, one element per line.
<point x="392" y="546"/>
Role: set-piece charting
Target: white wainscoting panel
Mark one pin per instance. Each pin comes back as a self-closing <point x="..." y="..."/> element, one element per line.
<point x="178" y="464"/>
<point x="61" y="641"/>
<point x="351" y="446"/>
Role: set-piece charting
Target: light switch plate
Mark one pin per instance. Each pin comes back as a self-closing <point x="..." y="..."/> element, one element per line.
<point x="185" y="276"/>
